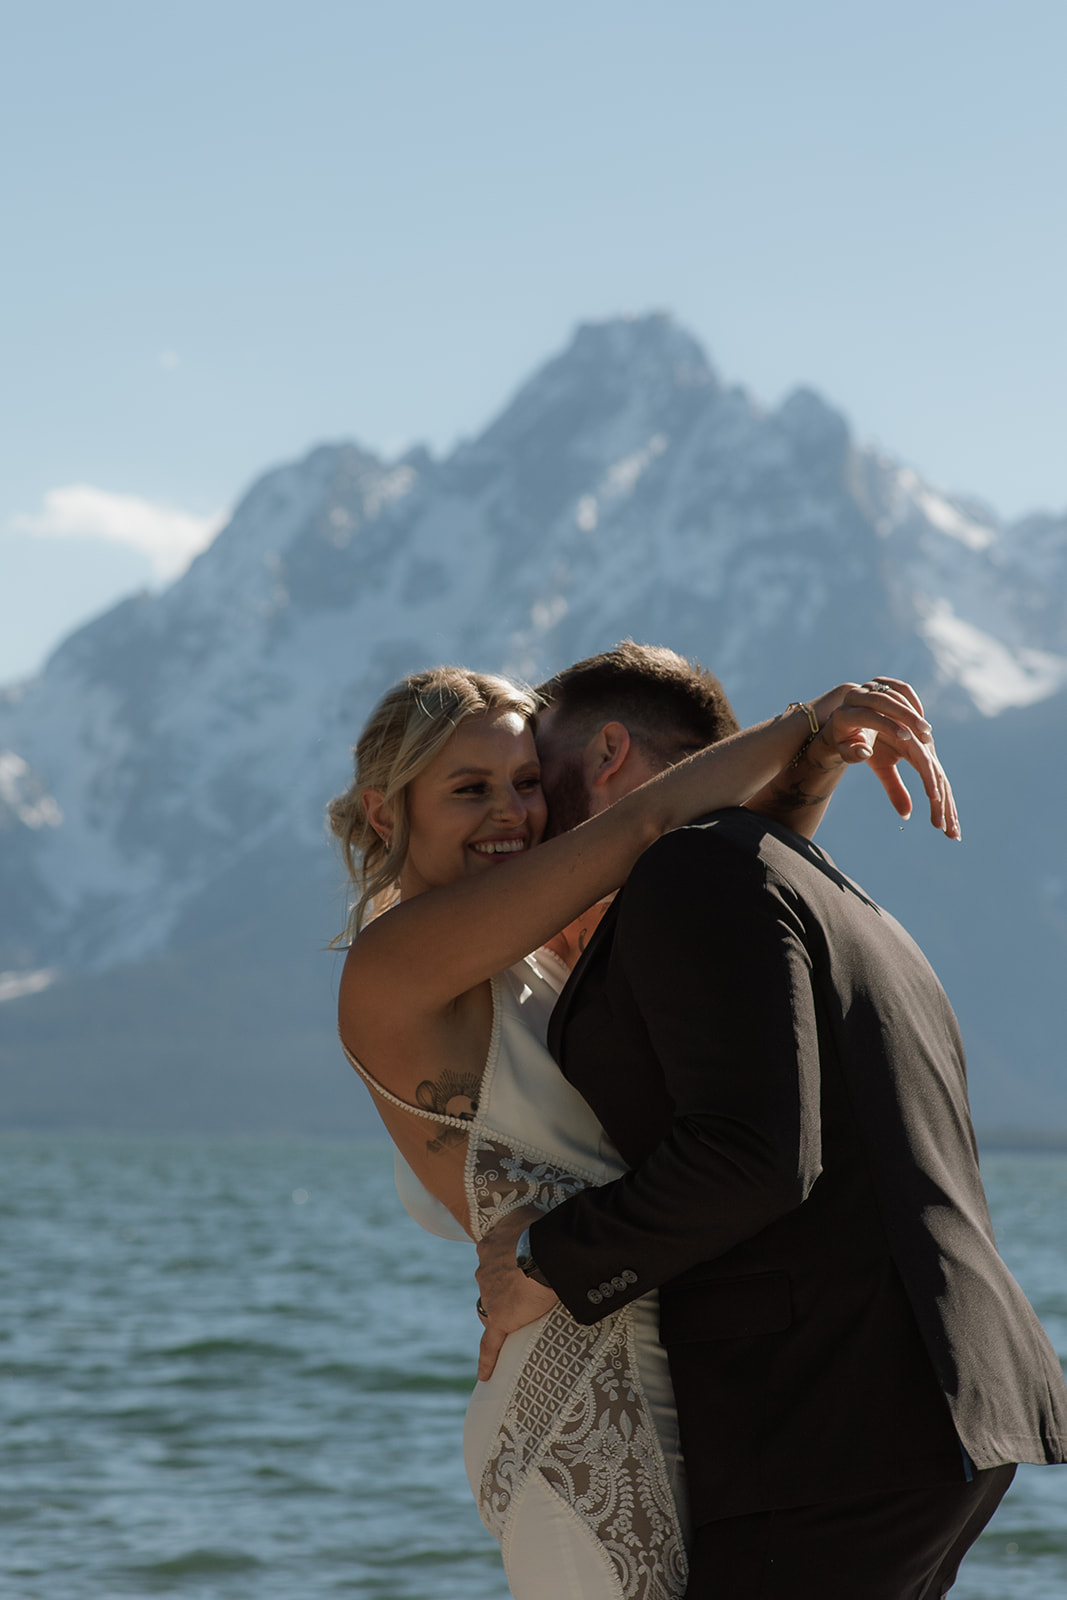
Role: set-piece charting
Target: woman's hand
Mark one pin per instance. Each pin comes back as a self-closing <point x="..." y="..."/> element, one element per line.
<point x="881" y="722"/>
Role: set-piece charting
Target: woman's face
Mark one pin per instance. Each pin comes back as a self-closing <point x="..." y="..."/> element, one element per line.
<point x="477" y="805"/>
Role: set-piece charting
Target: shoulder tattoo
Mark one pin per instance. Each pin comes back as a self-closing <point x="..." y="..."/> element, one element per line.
<point x="453" y="1094"/>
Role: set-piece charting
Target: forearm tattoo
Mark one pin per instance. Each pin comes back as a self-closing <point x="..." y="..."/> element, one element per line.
<point x="794" y="797"/>
<point x="453" y="1094"/>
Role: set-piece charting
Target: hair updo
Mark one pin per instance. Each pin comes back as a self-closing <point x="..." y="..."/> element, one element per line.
<point x="406" y="730"/>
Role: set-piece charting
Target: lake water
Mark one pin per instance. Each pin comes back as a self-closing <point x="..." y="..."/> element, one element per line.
<point x="236" y="1371"/>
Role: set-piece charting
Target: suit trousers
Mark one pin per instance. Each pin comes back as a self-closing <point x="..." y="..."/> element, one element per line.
<point x="902" y="1545"/>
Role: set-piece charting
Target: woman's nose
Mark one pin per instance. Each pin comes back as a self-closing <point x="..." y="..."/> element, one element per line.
<point x="510" y="806"/>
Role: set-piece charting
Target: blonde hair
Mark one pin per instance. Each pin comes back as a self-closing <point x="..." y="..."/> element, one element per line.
<point x="406" y="730"/>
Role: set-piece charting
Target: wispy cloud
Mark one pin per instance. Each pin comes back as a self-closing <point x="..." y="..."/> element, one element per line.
<point x="170" y="538"/>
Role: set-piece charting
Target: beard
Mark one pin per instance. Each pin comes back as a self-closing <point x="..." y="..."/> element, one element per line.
<point x="568" y="798"/>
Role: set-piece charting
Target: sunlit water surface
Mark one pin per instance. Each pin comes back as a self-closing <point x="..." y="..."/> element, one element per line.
<point x="237" y="1370"/>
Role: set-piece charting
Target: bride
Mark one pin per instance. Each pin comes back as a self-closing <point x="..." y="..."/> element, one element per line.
<point x="571" y="1445"/>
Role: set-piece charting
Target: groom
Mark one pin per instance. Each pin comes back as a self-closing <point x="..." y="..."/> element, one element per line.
<point x="855" y="1369"/>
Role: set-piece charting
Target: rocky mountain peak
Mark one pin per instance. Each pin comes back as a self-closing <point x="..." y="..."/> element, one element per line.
<point x="612" y="382"/>
<point x="621" y="491"/>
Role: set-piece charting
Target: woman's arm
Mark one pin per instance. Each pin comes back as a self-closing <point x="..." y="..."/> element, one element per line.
<point x="797" y="797"/>
<point x="426" y="952"/>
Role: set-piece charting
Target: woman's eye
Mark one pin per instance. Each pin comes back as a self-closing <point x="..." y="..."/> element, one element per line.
<point x="528" y="785"/>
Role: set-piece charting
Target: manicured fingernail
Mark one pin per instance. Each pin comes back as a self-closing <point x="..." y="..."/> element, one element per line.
<point x="905" y="733"/>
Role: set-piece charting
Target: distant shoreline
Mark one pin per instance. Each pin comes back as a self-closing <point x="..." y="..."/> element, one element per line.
<point x="1022" y="1143"/>
<point x="998" y="1141"/>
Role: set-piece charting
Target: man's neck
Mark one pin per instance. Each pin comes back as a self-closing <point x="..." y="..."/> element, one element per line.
<point x="636" y="769"/>
<point x="570" y="944"/>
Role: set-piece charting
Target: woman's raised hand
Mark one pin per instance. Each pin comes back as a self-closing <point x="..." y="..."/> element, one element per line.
<point x="881" y="722"/>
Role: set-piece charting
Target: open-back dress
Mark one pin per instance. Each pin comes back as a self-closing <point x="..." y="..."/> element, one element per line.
<point x="571" y="1447"/>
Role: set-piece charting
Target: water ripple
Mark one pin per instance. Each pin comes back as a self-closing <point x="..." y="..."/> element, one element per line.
<point x="216" y="1392"/>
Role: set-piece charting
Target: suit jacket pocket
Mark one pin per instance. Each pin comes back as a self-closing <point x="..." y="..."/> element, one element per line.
<point x="725" y="1308"/>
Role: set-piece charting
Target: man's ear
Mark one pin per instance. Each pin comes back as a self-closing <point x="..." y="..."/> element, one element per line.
<point x="606" y="752"/>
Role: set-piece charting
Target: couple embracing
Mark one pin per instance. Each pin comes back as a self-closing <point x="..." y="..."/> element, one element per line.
<point x="747" y="1333"/>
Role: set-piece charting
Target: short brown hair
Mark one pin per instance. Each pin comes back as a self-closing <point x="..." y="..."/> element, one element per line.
<point x="663" y="699"/>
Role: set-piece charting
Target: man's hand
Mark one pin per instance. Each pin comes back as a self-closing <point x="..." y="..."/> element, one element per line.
<point x="511" y="1300"/>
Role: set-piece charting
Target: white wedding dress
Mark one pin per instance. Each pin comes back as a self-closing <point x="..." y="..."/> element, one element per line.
<point x="571" y="1447"/>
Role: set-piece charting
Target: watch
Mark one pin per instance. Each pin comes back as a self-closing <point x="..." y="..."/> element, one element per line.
<point x="525" y="1262"/>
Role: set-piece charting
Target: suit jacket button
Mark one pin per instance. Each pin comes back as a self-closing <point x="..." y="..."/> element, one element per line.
<point x="595" y="1296"/>
<point x="629" y="1276"/>
<point x="618" y="1283"/>
<point x="606" y="1290"/>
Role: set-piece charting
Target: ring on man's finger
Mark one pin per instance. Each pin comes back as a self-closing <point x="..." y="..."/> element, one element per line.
<point x="482" y="1312"/>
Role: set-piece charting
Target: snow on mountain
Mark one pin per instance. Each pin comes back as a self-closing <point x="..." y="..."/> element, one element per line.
<point x="187" y="738"/>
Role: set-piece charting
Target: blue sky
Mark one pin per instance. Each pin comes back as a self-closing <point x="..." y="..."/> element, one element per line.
<point x="237" y="229"/>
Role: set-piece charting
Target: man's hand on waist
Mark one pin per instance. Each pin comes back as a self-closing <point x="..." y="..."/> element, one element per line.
<point x="510" y="1299"/>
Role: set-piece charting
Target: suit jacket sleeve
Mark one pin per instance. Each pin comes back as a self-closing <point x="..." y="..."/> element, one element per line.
<point x="710" y="960"/>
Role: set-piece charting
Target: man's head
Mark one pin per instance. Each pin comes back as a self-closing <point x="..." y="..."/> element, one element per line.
<point x="618" y="718"/>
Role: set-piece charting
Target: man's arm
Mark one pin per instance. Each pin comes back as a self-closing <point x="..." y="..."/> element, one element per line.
<point x="506" y="1299"/>
<point x="711" y="962"/>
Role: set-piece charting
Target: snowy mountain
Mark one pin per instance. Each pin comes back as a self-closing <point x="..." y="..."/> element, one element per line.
<point x="166" y="892"/>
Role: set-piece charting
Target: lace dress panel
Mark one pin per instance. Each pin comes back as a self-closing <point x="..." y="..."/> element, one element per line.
<point x="577" y="1414"/>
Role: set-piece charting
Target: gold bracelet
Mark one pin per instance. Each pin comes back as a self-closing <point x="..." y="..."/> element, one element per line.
<point x="813" y="724"/>
<point x="802" y="705"/>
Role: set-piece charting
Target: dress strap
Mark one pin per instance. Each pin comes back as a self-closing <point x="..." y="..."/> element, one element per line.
<point x="405" y="1105"/>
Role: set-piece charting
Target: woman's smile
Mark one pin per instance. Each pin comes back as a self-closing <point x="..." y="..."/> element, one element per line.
<point x="500" y="848"/>
<point x="476" y="805"/>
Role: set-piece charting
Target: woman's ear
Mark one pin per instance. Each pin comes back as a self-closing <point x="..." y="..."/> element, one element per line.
<point x="379" y="815"/>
